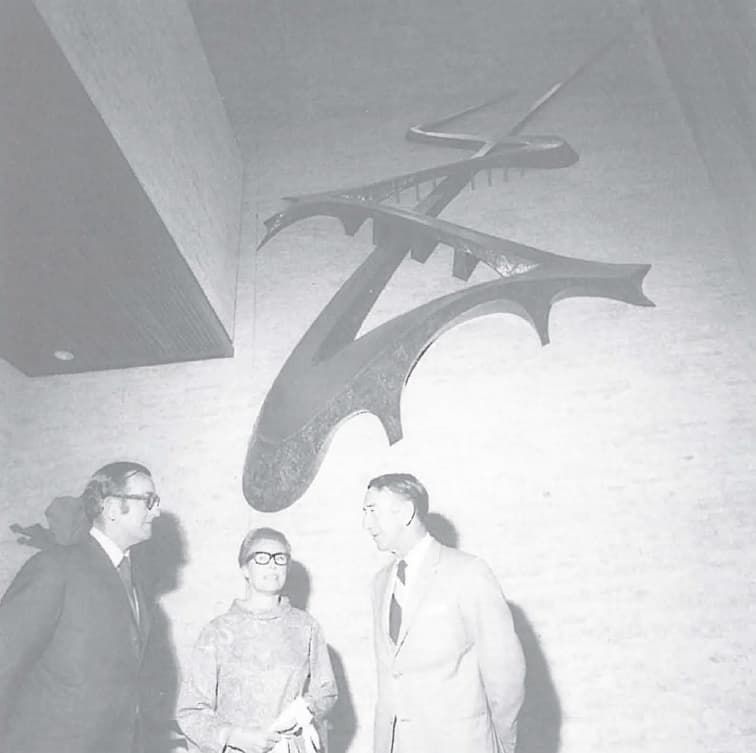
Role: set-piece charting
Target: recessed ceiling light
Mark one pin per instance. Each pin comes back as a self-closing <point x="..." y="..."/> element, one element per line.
<point x="64" y="355"/>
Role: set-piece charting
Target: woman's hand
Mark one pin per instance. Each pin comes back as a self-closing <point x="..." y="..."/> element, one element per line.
<point x="286" y="722"/>
<point x="295" y="716"/>
<point x="252" y="739"/>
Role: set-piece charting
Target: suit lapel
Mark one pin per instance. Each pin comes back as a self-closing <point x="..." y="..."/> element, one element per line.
<point x="383" y="602"/>
<point x="421" y="585"/>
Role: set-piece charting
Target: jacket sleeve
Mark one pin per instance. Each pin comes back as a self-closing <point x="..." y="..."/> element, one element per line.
<point x="500" y="656"/>
<point x="29" y="612"/>
<point x="322" y="691"/>
<point x="197" y="715"/>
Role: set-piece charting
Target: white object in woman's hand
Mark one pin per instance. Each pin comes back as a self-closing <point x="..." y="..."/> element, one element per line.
<point x="295" y="716"/>
<point x="252" y="740"/>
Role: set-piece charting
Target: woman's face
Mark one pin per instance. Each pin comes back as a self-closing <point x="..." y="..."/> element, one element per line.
<point x="269" y="578"/>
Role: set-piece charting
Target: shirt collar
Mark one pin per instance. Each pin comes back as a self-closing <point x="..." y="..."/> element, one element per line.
<point x="415" y="555"/>
<point x="114" y="552"/>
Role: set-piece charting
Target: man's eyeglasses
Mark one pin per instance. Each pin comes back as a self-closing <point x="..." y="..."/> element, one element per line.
<point x="150" y="499"/>
<point x="263" y="558"/>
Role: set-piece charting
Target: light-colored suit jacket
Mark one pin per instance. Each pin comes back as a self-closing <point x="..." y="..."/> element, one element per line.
<point x="454" y="681"/>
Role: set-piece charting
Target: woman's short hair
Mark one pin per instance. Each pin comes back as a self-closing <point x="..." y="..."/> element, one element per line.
<point x="407" y="486"/>
<point x="249" y="542"/>
<point x="109" y="481"/>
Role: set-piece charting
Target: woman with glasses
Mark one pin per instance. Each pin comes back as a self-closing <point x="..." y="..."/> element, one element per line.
<point x="260" y="673"/>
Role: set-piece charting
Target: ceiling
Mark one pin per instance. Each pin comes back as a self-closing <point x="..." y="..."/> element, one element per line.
<point x="88" y="265"/>
<point x="88" y="268"/>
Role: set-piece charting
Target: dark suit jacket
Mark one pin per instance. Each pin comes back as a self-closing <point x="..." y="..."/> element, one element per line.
<point x="70" y="654"/>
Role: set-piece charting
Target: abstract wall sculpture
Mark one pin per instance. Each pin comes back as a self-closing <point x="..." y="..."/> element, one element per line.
<point x="331" y="376"/>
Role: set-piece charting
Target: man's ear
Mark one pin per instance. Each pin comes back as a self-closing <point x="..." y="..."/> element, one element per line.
<point x="111" y="509"/>
<point x="412" y="512"/>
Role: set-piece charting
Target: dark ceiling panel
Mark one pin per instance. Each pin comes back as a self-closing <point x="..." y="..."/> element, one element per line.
<point x="86" y="263"/>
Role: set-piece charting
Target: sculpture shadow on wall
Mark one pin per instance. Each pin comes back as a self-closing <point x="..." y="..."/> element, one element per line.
<point x="342" y="721"/>
<point x="161" y="560"/>
<point x="540" y="718"/>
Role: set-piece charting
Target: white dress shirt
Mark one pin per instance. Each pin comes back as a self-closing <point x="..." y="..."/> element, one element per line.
<point x="414" y="558"/>
<point x="115" y="555"/>
<point x="114" y="552"/>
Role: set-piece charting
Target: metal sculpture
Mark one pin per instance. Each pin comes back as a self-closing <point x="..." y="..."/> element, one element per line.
<point x="331" y="376"/>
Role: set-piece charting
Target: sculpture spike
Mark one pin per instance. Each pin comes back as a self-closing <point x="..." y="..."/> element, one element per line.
<point x="463" y="264"/>
<point x="352" y="223"/>
<point x="391" y="421"/>
<point x="538" y="313"/>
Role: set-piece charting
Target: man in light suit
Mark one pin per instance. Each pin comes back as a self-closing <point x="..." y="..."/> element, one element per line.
<point x="450" y="666"/>
<point x="73" y="627"/>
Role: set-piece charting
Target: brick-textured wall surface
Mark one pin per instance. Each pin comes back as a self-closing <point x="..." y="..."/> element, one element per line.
<point x="12" y="384"/>
<point x="606" y="478"/>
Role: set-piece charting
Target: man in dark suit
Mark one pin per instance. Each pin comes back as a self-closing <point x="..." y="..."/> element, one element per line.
<point x="450" y="666"/>
<point x="73" y="627"/>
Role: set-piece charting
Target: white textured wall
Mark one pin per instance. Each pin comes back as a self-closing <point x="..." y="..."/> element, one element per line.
<point x="143" y="66"/>
<point x="607" y="478"/>
<point x="13" y="386"/>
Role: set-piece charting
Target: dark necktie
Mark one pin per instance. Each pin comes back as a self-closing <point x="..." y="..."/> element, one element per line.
<point x="395" y="610"/>
<point x="124" y="571"/>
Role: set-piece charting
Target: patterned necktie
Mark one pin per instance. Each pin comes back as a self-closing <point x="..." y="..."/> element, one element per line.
<point x="124" y="571"/>
<point x="395" y="610"/>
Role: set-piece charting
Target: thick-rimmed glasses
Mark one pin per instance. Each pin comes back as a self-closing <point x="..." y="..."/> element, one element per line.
<point x="263" y="558"/>
<point x="150" y="499"/>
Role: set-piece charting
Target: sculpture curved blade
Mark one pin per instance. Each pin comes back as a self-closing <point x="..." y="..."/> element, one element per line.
<point x="527" y="152"/>
<point x="420" y="234"/>
<point x="305" y="405"/>
<point x="353" y="206"/>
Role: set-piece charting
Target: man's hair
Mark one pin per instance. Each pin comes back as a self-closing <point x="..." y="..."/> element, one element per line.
<point x="250" y="540"/>
<point x="109" y="481"/>
<point x="406" y="485"/>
